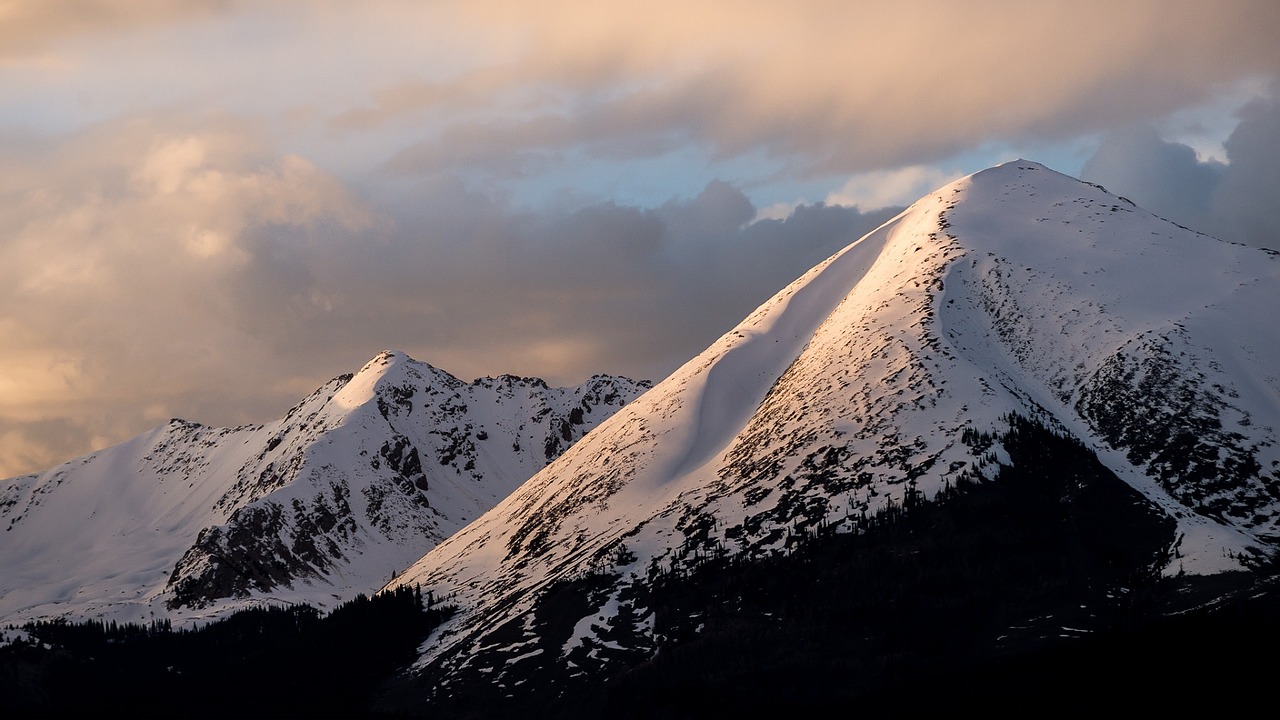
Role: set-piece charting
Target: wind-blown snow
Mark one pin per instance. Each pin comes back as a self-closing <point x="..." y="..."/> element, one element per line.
<point x="734" y="384"/>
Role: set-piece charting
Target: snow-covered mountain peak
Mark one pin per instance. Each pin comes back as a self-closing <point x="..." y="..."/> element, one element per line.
<point x="891" y="371"/>
<point x="384" y="374"/>
<point x="354" y="483"/>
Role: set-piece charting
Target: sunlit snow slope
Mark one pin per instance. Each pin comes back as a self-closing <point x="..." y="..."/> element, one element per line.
<point x="1015" y="290"/>
<point x="353" y="484"/>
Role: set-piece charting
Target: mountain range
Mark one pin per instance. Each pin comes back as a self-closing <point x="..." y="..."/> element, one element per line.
<point x="1012" y="314"/>
<point x="1022" y="413"/>
<point x="352" y="485"/>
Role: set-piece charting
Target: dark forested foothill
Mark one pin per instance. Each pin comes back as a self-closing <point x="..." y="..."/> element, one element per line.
<point x="1037" y="586"/>
<point x="268" y="662"/>
<point x="998" y="594"/>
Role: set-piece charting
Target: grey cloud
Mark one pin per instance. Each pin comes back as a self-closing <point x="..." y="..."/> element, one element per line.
<point x="640" y="124"/>
<point x="620" y="289"/>
<point x="1234" y="201"/>
<point x="1163" y="177"/>
<point x="1244" y="204"/>
<point x="146" y="274"/>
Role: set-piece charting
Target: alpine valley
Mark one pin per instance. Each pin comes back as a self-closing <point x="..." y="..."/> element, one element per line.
<point x="1015" y="449"/>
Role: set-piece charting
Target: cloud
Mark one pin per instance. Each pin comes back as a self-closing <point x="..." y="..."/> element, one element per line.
<point x="32" y="26"/>
<point x="120" y="272"/>
<point x="208" y="208"/>
<point x="152" y="271"/>
<point x="29" y="446"/>
<point x="1163" y="177"/>
<point x="901" y="186"/>
<point x="516" y="92"/>
<point x="834" y="87"/>
<point x="630" y="290"/>
<point x="1234" y="200"/>
<point x="1244" y="203"/>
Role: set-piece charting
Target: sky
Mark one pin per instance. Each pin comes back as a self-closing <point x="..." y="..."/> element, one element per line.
<point x="208" y="208"/>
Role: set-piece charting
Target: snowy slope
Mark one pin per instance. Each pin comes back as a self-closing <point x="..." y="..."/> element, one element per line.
<point x="1015" y="290"/>
<point x="353" y="484"/>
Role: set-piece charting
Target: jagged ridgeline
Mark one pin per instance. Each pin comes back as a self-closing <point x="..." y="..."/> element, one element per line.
<point x="354" y="484"/>
<point x="1021" y="410"/>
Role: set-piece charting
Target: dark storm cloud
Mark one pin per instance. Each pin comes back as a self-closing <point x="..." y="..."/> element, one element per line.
<point x="1244" y="203"/>
<point x="1235" y="201"/>
<point x="1163" y="177"/>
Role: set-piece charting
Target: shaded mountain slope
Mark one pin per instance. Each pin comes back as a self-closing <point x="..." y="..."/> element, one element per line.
<point x="887" y="375"/>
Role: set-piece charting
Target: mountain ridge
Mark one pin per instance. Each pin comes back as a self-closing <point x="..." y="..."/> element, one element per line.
<point x="1020" y="415"/>
<point x="350" y="486"/>
<point x="1016" y="291"/>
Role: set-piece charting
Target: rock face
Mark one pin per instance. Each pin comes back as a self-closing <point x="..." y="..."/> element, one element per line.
<point x="1016" y="302"/>
<point x="351" y="486"/>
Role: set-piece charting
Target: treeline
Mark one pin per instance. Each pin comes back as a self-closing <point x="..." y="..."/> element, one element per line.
<point x="889" y="618"/>
<point x="273" y="661"/>
<point x="1013" y="595"/>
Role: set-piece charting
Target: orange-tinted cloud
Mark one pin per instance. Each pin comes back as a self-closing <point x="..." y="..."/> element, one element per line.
<point x="151" y="272"/>
<point x="32" y="26"/>
<point x="195" y="216"/>
<point x="844" y="86"/>
<point x="119" y="263"/>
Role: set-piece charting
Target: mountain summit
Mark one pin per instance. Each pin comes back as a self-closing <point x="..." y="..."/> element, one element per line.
<point x="1011" y="311"/>
<point x="1019" y="440"/>
<point x="355" y="483"/>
